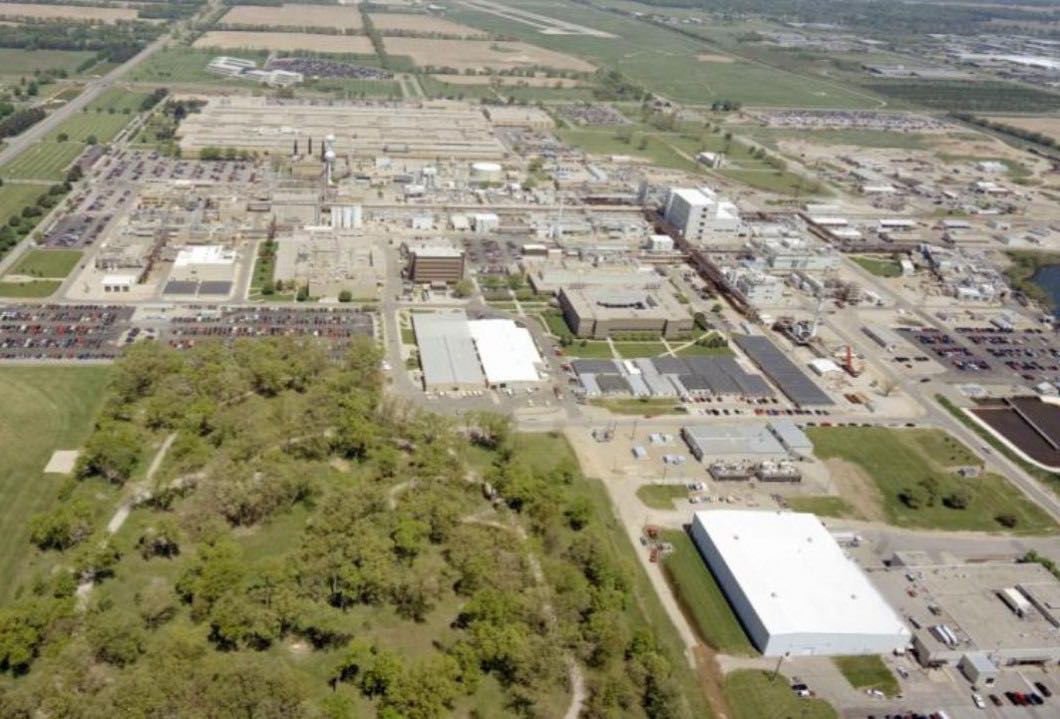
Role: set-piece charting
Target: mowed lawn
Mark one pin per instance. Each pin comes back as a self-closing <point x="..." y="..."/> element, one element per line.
<point x="46" y="160"/>
<point x="45" y="408"/>
<point x="756" y="694"/>
<point x="14" y="196"/>
<point x="50" y="264"/>
<point x="922" y="463"/>
<point x="18" y="62"/>
<point x="701" y="598"/>
<point x="103" y="118"/>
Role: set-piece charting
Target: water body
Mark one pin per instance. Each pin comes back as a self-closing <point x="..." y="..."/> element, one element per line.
<point x="1048" y="278"/>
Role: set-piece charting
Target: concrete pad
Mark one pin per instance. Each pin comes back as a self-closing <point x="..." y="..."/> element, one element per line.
<point x="62" y="461"/>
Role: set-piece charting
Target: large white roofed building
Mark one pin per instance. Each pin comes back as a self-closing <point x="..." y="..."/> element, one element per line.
<point x="792" y="586"/>
<point x="506" y="351"/>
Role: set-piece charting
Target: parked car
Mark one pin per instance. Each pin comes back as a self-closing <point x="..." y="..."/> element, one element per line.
<point x="1046" y="691"/>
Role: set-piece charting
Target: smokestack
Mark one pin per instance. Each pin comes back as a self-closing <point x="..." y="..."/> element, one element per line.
<point x="310" y="145"/>
<point x="295" y="153"/>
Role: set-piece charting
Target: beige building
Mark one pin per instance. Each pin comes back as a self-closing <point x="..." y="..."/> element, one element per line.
<point x="602" y="312"/>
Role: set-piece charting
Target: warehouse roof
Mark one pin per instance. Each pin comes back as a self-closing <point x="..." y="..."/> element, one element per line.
<point x="447" y="353"/>
<point x="791" y="380"/>
<point x="795" y="575"/>
<point x="506" y="351"/>
<point x="736" y="439"/>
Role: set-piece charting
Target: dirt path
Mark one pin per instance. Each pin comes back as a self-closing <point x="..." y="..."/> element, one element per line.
<point x="578" y="693"/>
<point x="132" y="497"/>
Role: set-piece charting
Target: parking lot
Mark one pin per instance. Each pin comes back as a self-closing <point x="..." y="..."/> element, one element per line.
<point x="62" y="332"/>
<point x="989" y="352"/>
<point x="137" y="166"/>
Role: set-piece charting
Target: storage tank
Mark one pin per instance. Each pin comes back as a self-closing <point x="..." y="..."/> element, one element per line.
<point x="486" y="172"/>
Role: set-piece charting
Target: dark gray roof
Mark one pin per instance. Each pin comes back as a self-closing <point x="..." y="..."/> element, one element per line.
<point x="215" y="287"/>
<point x="792" y="381"/>
<point x="594" y="366"/>
<point x="612" y="383"/>
<point x="670" y="365"/>
<point x="180" y="287"/>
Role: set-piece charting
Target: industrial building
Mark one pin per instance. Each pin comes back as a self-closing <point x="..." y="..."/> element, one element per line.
<point x="700" y="214"/>
<point x="599" y="312"/>
<point x="733" y="443"/>
<point x="1009" y="611"/>
<point x="686" y="378"/>
<point x="506" y="352"/>
<point x="791" y="380"/>
<point x="795" y="591"/>
<point x="436" y="261"/>
<point x="447" y="352"/>
<point x="327" y="262"/>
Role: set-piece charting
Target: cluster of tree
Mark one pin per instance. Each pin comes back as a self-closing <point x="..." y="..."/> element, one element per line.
<point x="20" y="120"/>
<point x="19" y="224"/>
<point x="613" y="86"/>
<point x="218" y="154"/>
<point x="970" y="96"/>
<point x="1038" y="138"/>
<point x="170" y="10"/>
<point x="156" y="96"/>
<point x="113" y="43"/>
<point x="725" y="106"/>
<point x="376" y="37"/>
<point x="392" y="522"/>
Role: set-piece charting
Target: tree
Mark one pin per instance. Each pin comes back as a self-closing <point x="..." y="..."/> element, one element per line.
<point x="112" y="452"/>
<point x="63" y="527"/>
<point x="62" y="137"/>
<point x="116" y="638"/>
<point x="345" y="296"/>
<point x="91" y="140"/>
<point x="156" y="603"/>
<point x="463" y="288"/>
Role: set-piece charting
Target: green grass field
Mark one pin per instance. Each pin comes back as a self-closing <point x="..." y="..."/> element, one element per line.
<point x="755" y="694"/>
<point x="48" y="264"/>
<point x="661" y="496"/>
<point x="913" y="472"/>
<point x="879" y="266"/>
<point x="860" y="138"/>
<point x="14" y="196"/>
<point x="665" y="61"/>
<point x="589" y="349"/>
<point x="45" y="408"/>
<point x="633" y="350"/>
<point x="644" y="406"/>
<point x="118" y="100"/>
<point x="701" y="598"/>
<point x="36" y="289"/>
<point x="43" y="161"/>
<point x="867" y="672"/>
<point x="822" y="506"/>
<point x="185" y="64"/>
<point x="104" y="126"/>
<point x="644" y="145"/>
<point x="17" y="62"/>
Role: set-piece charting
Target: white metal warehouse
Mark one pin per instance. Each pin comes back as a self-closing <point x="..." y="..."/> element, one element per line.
<point x="793" y="588"/>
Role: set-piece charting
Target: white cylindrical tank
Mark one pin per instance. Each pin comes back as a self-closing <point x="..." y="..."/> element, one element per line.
<point x="357" y="218"/>
<point x="486" y="172"/>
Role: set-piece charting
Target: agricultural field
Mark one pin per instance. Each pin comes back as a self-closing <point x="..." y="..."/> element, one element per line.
<point x="226" y="39"/>
<point x="1049" y="126"/>
<point x="47" y="264"/>
<point x="911" y="476"/>
<point x="480" y="54"/>
<point x="185" y="64"/>
<point x="416" y="23"/>
<point x="45" y="160"/>
<point x="340" y="17"/>
<point x="45" y="408"/>
<point x="110" y="15"/>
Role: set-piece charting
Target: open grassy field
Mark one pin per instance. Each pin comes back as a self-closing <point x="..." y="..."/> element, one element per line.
<point x="14" y="61"/>
<point x="34" y="289"/>
<point x="48" y="264"/>
<point x="45" y="160"/>
<point x="913" y="473"/>
<point x="118" y="100"/>
<point x="638" y="143"/>
<point x="97" y="123"/>
<point x="665" y="61"/>
<point x="756" y="694"/>
<point x="957" y="95"/>
<point x="224" y="39"/>
<point x="642" y="406"/>
<point x="821" y="505"/>
<point x="10" y="10"/>
<point x="879" y="266"/>
<point x="185" y="64"/>
<point x="1046" y="125"/>
<point x="14" y="196"/>
<point x="661" y="496"/>
<point x="45" y="408"/>
<point x="701" y="598"/>
<point x="867" y="672"/>
<point x="342" y="17"/>
<point x="481" y="54"/>
<point x="859" y="138"/>
<point x="633" y="350"/>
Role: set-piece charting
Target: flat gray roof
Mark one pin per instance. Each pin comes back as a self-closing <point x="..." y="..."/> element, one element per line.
<point x="447" y="353"/>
